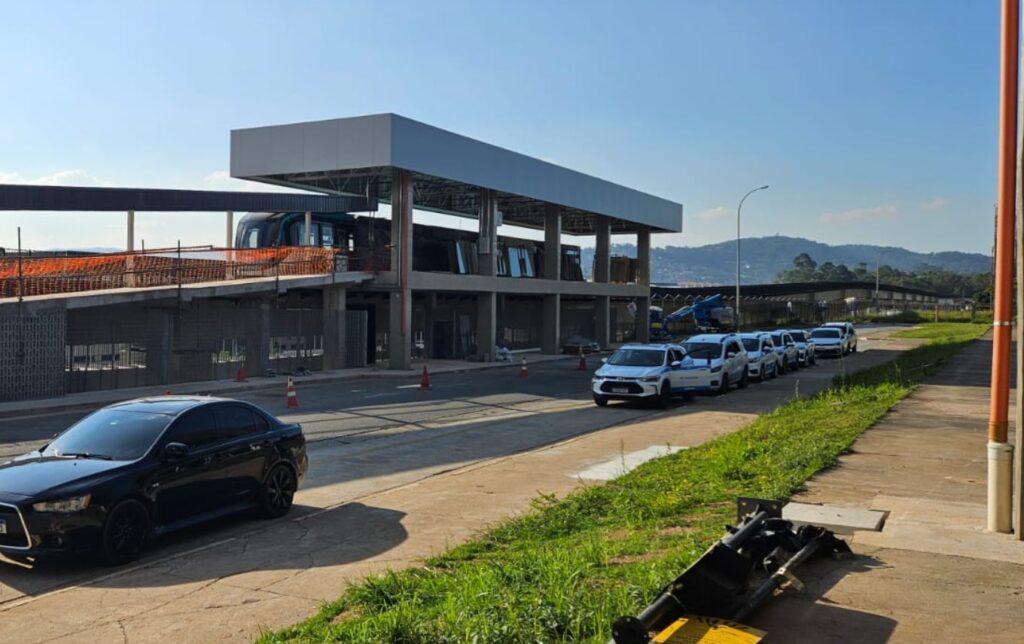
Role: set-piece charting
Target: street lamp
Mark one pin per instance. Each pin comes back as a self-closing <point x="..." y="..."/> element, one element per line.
<point x="738" y="209"/>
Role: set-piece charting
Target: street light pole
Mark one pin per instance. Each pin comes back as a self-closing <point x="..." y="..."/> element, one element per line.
<point x="738" y="209"/>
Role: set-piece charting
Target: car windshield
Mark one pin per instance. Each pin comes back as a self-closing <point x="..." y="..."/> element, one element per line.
<point x="637" y="358"/>
<point x="825" y="333"/>
<point x="777" y="339"/>
<point x="703" y="350"/>
<point x="110" y="434"/>
<point x="798" y="336"/>
<point x="751" y="344"/>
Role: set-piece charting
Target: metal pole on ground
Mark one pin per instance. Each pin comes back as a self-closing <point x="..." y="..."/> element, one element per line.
<point x="1000" y="452"/>
<point x="1018" y="455"/>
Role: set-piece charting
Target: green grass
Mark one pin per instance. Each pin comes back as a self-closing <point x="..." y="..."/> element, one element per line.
<point x="565" y="570"/>
<point x="946" y="331"/>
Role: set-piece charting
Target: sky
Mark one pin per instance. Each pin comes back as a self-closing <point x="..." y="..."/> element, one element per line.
<point x="873" y="121"/>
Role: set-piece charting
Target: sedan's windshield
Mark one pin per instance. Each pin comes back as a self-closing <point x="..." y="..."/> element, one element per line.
<point x="777" y="339"/>
<point x="798" y="336"/>
<point x="825" y="333"/>
<point x="703" y="350"/>
<point x="637" y="358"/>
<point x="111" y="434"/>
<point x="752" y="344"/>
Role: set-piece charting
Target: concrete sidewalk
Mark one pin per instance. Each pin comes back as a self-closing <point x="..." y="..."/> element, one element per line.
<point x="933" y="573"/>
<point x="93" y="399"/>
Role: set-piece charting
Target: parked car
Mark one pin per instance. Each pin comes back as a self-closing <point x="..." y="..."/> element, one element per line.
<point x="714" y="361"/>
<point x="762" y="361"/>
<point x="804" y="346"/>
<point x="785" y="348"/>
<point x="640" y="372"/>
<point x="849" y="335"/>
<point x="145" y="467"/>
<point x="828" y="341"/>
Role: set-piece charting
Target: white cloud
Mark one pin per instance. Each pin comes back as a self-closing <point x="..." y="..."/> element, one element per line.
<point x="938" y="203"/>
<point x="859" y="214"/>
<point x="718" y="212"/>
<point x="75" y="177"/>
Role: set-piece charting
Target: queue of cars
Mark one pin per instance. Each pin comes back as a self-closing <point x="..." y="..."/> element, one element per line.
<point x="714" y="362"/>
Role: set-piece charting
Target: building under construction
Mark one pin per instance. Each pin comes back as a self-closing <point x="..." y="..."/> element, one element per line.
<point x="324" y="281"/>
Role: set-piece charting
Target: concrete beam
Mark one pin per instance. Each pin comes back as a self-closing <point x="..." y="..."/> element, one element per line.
<point x="424" y="281"/>
<point x="552" y="242"/>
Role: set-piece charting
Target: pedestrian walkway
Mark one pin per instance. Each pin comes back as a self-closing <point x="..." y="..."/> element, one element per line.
<point x="933" y="573"/>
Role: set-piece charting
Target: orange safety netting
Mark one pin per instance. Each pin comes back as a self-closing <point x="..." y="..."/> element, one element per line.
<point x="161" y="267"/>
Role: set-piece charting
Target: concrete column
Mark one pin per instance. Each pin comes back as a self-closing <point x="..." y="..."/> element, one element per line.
<point x="552" y="242"/>
<point x="602" y="321"/>
<point x="130" y="280"/>
<point x="643" y="256"/>
<point x="307" y="230"/>
<point x="486" y="325"/>
<point x="551" y="324"/>
<point x="400" y="310"/>
<point x="643" y="319"/>
<point x="429" y="306"/>
<point x="130" y="246"/>
<point x="230" y="238"/>
<point x="257" y="339"/>
<point x="159" y="342"/>
<point x="487" y="241"/>
<point x="334" y="327"/>
<point x="602" y="252"/>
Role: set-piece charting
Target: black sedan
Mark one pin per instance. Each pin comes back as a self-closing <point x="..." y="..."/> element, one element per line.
<point x="143" y="468"/>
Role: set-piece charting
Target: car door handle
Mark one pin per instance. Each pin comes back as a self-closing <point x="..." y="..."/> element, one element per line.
<point x="260" y="445"/>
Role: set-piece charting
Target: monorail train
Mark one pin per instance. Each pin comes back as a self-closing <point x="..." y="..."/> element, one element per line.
<point x="435" y="248"/>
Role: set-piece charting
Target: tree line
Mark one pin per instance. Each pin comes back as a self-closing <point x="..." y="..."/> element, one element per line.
<point x="977" y="286"/>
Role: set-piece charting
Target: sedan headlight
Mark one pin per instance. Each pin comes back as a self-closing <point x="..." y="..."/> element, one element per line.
<point x="716" y="369"/>
<point x="649" y="379"/>
<point x="74" y="504"/>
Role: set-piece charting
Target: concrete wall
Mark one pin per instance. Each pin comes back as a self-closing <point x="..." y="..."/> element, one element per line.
<point x="31" y="352"/>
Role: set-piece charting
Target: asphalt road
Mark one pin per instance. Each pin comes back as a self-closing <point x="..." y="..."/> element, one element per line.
<point x="380" y="434"/>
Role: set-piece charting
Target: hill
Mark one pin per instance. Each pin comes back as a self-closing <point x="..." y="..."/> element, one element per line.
<point x="766" y="257"/>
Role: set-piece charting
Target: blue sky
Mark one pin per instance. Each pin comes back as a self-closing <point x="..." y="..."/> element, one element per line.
<point x="874" y="121"/>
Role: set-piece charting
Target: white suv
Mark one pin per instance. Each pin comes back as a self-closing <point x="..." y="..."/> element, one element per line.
<point x="713" y="362"/>
<point x="640" y="372"/>
<point x="849" y="335"/>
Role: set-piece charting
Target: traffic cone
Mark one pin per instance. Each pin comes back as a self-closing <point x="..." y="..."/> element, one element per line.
<point x="424" y="379"/>
<point x="240" y="375"/>
<point x="167" y="393"/>
<point x="582" y="366"/>
<point x="293" y="400"/>
<point x="522" y="370"/>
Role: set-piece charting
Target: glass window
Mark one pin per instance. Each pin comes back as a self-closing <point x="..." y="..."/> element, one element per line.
<point x="195" y="429"/>
<point x="703" y="350"/>
<point x="110" y="433"/>
<point x="751" y="344"/>
<point x="235" y="421"/>
<point x="675" y="355"/>
<point x="252" y="238"/>
<point x="326" y="235"/>
<point x="799" y="336"/>
<point x="637" y="358"/>
<point x="825" y="333"/>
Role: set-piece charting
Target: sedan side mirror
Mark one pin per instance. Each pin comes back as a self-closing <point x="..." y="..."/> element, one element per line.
<point x="603" y="360"/>
<point x="175" y="452"/>
<point x="676" y="363"/>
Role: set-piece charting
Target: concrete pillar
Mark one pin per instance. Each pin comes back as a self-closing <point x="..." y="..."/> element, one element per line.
<point x="130" y="246"/>
<point x="159" y="342"/>
<point x="400" y="309"/>
<point x="230" y="238"/>
<point x="487" y="241"/>
<point x="257" y="339"/>
<point x="602" y="252"/>
<point x="602" y="321"/>
<point x="334" y="327"/>
<point x="643" y="256"/>
<point x="643" y="319"/>
<point x="307" y="230"/>
<point x="429" y="306"/>
<point x="551" y="324"/>
<point x="552" y="242"/>
<point x="130" y="280"/>
<point x="486" y="325"/>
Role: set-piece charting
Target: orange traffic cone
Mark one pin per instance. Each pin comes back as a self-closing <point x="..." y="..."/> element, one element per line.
<point x="424" y="379"/>
<point x="582" y="366"/>
<point x="240" y="376"/>
<point x="293" y="400"/>
<point x="522" y="370"/>
<point x="167" y="393"/>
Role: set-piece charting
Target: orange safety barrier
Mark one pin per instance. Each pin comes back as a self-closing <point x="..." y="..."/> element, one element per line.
<point x="160" y="267"/>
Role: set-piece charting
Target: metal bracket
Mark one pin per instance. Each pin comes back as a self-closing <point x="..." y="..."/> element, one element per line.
<point x="748" y="506"/>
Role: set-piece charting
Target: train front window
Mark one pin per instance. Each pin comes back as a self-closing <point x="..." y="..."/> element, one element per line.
<point x="251" y="236"/>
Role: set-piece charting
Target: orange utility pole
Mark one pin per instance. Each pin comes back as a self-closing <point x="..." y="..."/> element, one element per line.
<point x="1000" y="453"/>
